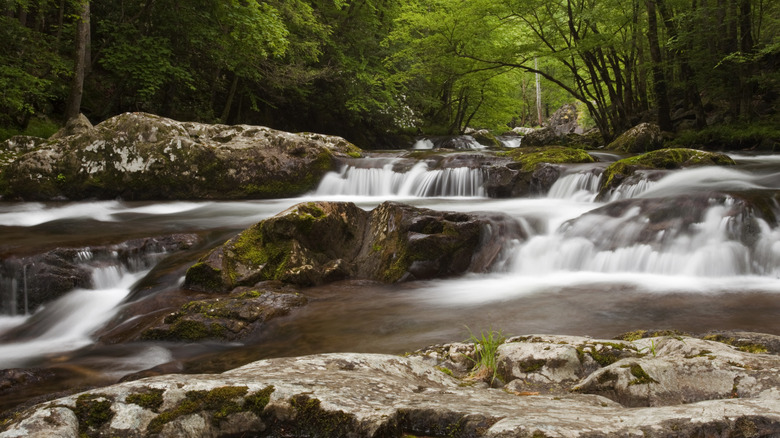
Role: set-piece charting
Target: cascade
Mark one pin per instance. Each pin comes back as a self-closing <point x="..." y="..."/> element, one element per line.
<point x="579" y="186"/>
<point x="648" y="239"/>
<point x="419" y="181"/>
<point x="423" y="143"/>
<point x="513" y="141"/>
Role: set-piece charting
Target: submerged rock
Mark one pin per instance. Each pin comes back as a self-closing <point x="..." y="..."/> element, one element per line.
<point x="375" y="395"/>
<point x="319" y="242"/>
<point x="229" y="317"/>
<point x="142" y="156"/>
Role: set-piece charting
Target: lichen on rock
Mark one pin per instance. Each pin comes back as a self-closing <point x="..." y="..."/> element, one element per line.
<point x="142" y="156"/>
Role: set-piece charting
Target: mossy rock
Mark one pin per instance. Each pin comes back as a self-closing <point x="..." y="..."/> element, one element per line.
<point x="532" y="158"/>
<point x="142" y="156"/>
<point x="228" y="318"/>
<point x="304" y="245"/>
<point x="663" y="159"/>
<point x="641" y="138"/>
<point x="320" y="242"/>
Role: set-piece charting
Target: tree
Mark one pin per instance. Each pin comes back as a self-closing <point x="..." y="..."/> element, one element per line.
<point x="73" y="105"/>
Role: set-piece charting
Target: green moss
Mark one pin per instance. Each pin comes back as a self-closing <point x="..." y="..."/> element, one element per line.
<point x="640" y="376"/>
<point x="220" y="402"/>
<point x="93" y="411"/>
<point x="205" y="276"/>
<point x="668" y="158"/>
<point x="533" y="157"/>
<point x="531" y="365"/>
<point x="446" y="371"/>
<point x="151" y="399"/>
<point x="312" y="420"/>
<point x="632" y="336"/>
<point x="257" y="402"/>
<point x="747" y="347"/>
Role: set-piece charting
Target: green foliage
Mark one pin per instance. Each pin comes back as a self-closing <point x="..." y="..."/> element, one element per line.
<point x="486" y="346"/>
<point x="765" y="136"/>
<point x="36" y="127"/>
<point x="31" y="73"/>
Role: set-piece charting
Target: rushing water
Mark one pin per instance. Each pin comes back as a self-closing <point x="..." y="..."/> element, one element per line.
<point x="696" y="260"/>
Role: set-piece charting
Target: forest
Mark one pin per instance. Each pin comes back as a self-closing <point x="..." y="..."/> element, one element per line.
<point x="374" y="71"/>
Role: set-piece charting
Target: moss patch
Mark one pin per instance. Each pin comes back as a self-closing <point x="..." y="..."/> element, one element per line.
<point x="748" y="347"/>
<point x="93" y="411"/>
<point x="661" y="159"/>
<point x="151" y="399"/>
<point x="219" y="402"/>
<point x="533" y="157"/>
<point x="312" y="420"/>
<point x="640" y="376"/>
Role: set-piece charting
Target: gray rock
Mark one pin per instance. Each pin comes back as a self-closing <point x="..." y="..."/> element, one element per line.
<point x="644" y="137"/>
<point x="142" y="156"/>
<point x="374" y="395"/>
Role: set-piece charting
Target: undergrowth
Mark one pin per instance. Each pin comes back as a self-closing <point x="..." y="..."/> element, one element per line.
<point x="486" y="349"/>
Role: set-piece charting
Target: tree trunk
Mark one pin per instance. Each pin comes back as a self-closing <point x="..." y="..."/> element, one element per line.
<point x="659" y="79"/>
<point x="686" y="72"/>
<point x="73" y="105"/>
<point x="229" y="103"/>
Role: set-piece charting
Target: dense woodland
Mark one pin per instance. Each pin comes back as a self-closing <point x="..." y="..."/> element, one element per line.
<point x="370" y="69"/>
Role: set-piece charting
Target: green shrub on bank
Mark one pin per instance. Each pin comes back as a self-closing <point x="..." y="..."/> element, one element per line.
<point x="36" y="128"/>
<point x="763" y="136"/>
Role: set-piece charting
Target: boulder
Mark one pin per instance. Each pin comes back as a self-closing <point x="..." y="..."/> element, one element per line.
<point x="663" y="159"/>
<point x="142" y="156"/>
<point x="542" y="137"/>
<point x="564" y="120"/>
<point x="376" y="395"/>
<point x="643" y="137"/>
<point x="319" y="242"/>
<point x="531" y="170"/>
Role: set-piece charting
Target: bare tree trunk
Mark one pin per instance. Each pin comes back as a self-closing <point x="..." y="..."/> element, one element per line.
<point x="77" y="83"/>
<point x="659" y="79"/>
<point x="229" y="103"/>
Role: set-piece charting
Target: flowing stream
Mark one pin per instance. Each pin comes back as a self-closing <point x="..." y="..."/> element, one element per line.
<point x="684" y="249"/>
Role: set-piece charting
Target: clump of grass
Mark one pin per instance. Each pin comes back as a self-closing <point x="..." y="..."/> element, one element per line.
<point x="486" y="348"/>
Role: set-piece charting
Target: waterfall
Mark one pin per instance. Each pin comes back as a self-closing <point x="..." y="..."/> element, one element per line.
<point x="423" y="143"/>
<point x="579" y="186"/>
<point x="419" y="181"/>
<point x="712" y="246"/>
<point x="68" y="322"/>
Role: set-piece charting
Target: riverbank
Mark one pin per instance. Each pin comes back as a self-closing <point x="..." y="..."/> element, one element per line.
<point x="650" y="384"/>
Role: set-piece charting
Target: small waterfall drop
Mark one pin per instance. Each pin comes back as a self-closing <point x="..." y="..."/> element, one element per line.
<point x="68" y="322"/>
<point x="419" y="181"/>
<point x="578" y="186"/>
<point x="423" y="144"/>
<point x="646" y="240"/>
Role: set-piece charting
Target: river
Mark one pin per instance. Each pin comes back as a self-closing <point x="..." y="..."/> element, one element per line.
<point x="581" y="271"/>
